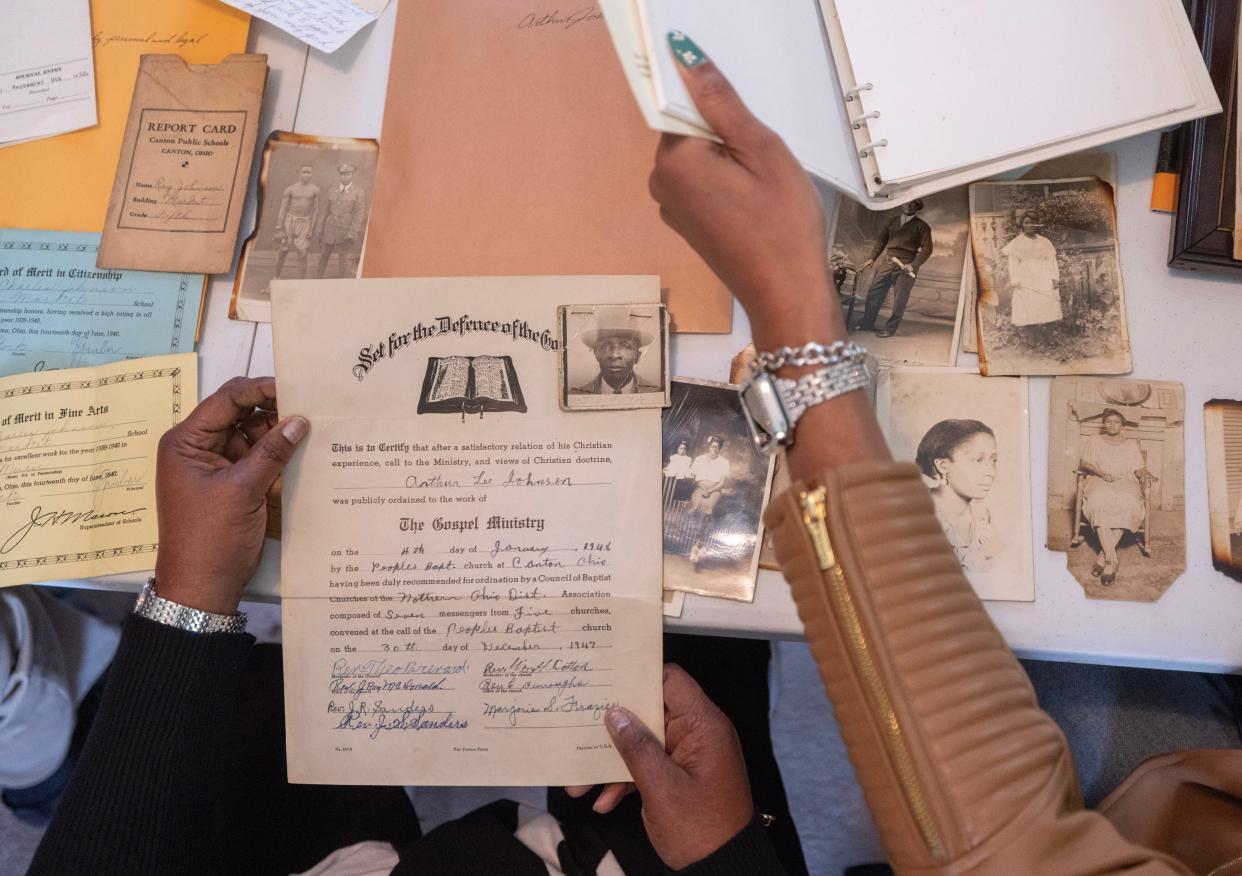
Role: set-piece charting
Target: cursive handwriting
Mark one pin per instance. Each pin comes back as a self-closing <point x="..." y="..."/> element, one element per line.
<point x="39" y="517"/>
<point x="556" y="19"/>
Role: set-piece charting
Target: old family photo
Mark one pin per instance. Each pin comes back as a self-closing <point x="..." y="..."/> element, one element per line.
<point x="1116" y="488"/>
<point x="969" y="436"/>
<point x="1050" y="292"/>
<point x="613" y="356"/>
<point x="1222" y="430"/>
<point x="716" y="485"/>
<point x="899" y="276"/>
<point x="314" y="202"/>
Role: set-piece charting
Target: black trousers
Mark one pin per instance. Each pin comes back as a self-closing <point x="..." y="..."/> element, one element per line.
<point x="887" y="276"/>
<point x="279" y="828"/>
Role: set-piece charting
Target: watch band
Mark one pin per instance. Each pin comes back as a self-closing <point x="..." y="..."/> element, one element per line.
<point x="773" y="405"/>
<point x="172" y="614"/>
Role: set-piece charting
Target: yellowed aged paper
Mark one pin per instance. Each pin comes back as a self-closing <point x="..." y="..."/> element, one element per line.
<point x="470" y="576"/>
<point x="77" y="465"/>
<point x="1222" y="431"/>
<point x="185" y="161"/>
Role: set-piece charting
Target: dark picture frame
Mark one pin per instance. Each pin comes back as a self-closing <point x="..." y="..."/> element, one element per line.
<point x="1202" y="229"/>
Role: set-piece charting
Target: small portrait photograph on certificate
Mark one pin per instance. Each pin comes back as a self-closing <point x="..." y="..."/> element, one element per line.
<point x="1050" y="297"/>
<point x="1222" y="429"/>
<point x="613" y="356"/>
<point x="314" y="201"/>
<point x="1116" y="485"/>
<point x="716" y="485"/>
<point x="969" y="436"/>
<point x="899" y="276"/>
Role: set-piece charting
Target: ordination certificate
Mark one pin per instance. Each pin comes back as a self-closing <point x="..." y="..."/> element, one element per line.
<point x="470" y="576"/>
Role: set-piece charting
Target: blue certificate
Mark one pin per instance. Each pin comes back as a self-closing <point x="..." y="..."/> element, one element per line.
<point x="57" y="310"/>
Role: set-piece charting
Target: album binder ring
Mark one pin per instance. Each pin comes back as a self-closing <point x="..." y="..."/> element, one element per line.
<point x="868" y="148"/>
<point x="852" y="94"/>
<point x="858" y="120"/>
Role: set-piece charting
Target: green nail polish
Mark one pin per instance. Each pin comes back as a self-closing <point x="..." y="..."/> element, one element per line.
<point x="685" y="50"/>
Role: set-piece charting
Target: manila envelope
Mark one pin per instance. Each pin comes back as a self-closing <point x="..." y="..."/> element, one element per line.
<point x="63" y="183"/>
<point x="181" y="179"/>
<point x="513" y="146"/>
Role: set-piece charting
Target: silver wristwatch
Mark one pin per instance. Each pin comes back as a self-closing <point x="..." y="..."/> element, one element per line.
<point x="773" y="405"/>
<point x="164" y="611"/>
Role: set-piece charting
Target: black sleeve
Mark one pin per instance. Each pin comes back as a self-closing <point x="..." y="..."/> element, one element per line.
<point x="749" y="853"/>
<point x="140" y="800"/>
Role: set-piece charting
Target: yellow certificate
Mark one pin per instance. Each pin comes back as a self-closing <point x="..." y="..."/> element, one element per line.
<point x="77" y="465"/>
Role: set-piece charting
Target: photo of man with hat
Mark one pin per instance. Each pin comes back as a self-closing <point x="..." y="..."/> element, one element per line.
<point x="343" y="223"/>
<point x="900" y="249"/>
<point x="618" y="337"/>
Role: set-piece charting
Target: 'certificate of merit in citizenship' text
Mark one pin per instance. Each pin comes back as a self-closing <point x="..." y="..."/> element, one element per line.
<point x="470" y="576"/>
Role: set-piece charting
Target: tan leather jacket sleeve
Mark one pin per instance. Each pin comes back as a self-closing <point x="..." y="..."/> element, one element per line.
<point x="962" y="771"/>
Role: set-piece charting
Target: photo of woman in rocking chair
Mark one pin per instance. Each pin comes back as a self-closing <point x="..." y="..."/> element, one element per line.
<point x="1113" y="490"/>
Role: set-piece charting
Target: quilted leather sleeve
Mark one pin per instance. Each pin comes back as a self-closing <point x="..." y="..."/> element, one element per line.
<point x="962" y="771"/>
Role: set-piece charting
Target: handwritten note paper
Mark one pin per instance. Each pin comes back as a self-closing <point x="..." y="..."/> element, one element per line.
<point x="325" y="24"/>
<point x="77" y="466"/>
<point x="181" y="179"/>
<point x="57" y="310"/>
<point x="464" y="592"/>
<point x="47" y="69"/>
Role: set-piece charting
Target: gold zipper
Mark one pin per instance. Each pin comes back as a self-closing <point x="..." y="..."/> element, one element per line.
<point x="814" y="505"/>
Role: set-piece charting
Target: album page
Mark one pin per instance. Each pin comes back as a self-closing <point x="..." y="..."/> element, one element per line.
<point x="466" y="590"/>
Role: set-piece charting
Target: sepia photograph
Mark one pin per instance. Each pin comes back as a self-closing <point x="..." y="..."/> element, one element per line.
<point x="613" y="356"/>
<point x="1222" y="430"/>
<point x="1050" y="293"/>
<point x="1116" y="485"/>
<point x="716" y="485"/>
<point x="314" y="201"/>
<point x="969" y="436"/>
<point x="899" y="276"/>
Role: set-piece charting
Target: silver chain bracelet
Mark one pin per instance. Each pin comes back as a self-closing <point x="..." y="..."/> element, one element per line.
<point x="811" y="353"/>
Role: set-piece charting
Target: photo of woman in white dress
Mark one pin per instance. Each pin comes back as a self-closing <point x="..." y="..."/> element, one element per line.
<point x="1031" y="263"/>
<point x="711" y="478"/>
<point x="960" y="456"/>
<point x="1113" y="502"/>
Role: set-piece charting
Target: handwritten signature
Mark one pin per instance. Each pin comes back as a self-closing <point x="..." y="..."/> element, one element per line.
<point x="555" y="19"/>
<point x="39" y="517"/>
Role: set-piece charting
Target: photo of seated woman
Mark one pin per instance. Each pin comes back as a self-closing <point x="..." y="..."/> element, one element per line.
<point x="1115" y="485"/>
<point x="968" y="435"/>
<point x="716" y="484"/>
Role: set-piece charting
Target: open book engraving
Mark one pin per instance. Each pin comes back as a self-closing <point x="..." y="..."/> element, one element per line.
<point x="470" y="385"/>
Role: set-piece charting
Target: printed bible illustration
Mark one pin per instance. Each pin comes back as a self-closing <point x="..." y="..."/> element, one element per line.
<point x="470" y="385"/>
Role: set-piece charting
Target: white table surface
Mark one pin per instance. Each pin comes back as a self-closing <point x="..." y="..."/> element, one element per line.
<point x="1183" y="326"/>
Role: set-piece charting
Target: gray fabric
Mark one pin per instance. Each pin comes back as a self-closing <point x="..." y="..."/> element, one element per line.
<point x="50" y="655"/>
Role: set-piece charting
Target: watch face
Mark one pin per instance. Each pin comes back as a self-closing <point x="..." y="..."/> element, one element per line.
<point x="764" y="412"/>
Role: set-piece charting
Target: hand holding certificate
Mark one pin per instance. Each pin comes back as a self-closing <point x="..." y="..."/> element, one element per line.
<point x="464" y="596"/>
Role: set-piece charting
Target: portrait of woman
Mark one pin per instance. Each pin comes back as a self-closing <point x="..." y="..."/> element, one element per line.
<point x="960" y="456"/>
<point x="710" y="471"/>
<point x="1112" y="502"/>
<point x="1031" y="262"/>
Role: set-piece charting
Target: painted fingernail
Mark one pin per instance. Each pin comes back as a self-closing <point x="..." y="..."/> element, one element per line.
<point x="617" y="719"/>
<point x="295" y="429"/>
<point x="685" y="49"/>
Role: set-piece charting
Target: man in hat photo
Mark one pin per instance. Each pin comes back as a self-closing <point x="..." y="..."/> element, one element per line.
<point x="901" y="248"/>
<point x="343" y="223"/>
<point x="618" y="338"/>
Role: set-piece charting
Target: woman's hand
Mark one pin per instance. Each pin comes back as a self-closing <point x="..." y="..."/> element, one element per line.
<point x="751" y="211"/>
<point x="695" y="793"/>
<point x="212" y="477"/>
